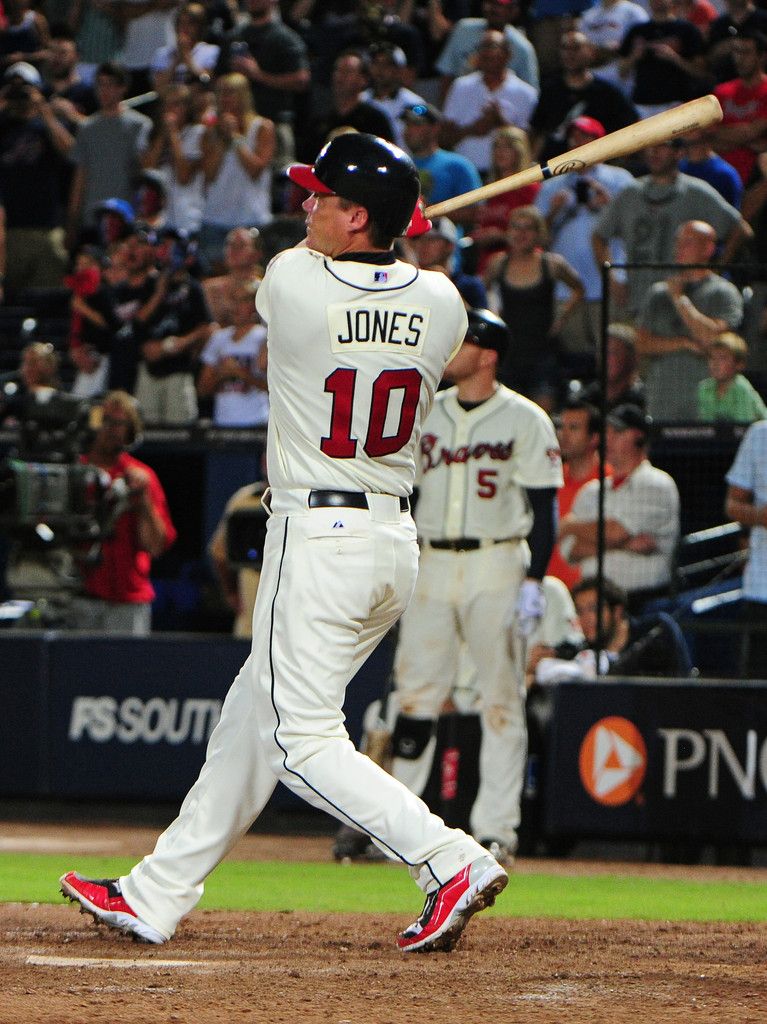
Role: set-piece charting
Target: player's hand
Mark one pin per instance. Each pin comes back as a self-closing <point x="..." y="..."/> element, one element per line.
<point x="530" y="606"/>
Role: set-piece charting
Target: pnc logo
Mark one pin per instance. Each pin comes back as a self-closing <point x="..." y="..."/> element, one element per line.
<point x="612" y="761"/>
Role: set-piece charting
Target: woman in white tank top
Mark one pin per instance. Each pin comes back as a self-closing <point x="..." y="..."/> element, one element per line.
<point x="237" y="153"/>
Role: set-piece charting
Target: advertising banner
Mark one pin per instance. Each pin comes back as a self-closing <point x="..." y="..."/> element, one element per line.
<point x="658" y="760"/>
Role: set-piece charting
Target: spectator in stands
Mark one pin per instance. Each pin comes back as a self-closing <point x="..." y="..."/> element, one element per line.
<point x="443" y="174"/>
<point x="3" y="244"/>
<point x="484" y="100"/>
<point x="666" y="57"/>
<point x="34" y="145"/>
<point x="189" y="58"/>
<point x="510" y="153"/>
<point x="91" y="366"/>
<point x="71" y="98"/>
<point x="576" y="92"/>
<point x="651" y="646"/>
<point x="347" y="107"/>
<point x="387" y="91"/>
<point x="144" y="25"/>
<point x="742" y="133"/>
<point x="237" y="154"/>
<point x="243" y="257"/>
<point x="175" y="326"/>
<point x="107" y="150"/>
<point x="118" y="591"/>
<point x="239" y="584"/>
<point x="641" y="512"/>
<point x="571" y="204"/>
<point x="96" y="33"/>
<point x="521" y="283"/>
<point x="462" y="43"/>
<point x="25" y="35"/>
<point x="699" y="13"/>
<point x="649" y="211"/>
<point x="679" y="319"/>
<point x="727" y="394"/>
<point x="746" y="502"/>
<point x="233" y="367"/>
<point x="274" y="59"/>
<point x="623" y="381"/>
<point x="152" y="200"/>
<point x="604" y="25"/>
<point x="740" y="17"/>
<point x="579" y="426"/>
<point x="435" y="250"/>
<point x="175" y="150"/>
<point x="700" y="161"/>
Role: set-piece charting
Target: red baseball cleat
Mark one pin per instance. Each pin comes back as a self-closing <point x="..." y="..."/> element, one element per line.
<point x="102" y="898"/>
<point x="448" y="909"/>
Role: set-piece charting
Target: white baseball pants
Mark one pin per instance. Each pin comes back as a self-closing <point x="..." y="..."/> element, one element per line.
<point x="333" y="582"/>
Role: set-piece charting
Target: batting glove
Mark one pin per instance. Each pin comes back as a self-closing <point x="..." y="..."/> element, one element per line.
<point x="531" y="604"/>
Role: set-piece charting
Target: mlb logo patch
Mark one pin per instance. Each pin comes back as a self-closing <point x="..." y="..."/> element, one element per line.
<point x="381" y="276"/>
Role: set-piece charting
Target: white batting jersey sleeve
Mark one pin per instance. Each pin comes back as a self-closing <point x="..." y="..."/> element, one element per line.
<point x="476" y="464"/>
<point x="356" y="351"/>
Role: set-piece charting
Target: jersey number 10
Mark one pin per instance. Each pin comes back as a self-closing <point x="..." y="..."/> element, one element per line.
<point x="340" y="444"/>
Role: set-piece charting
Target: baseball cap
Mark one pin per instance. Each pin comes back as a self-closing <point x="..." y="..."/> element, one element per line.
<point x="630" y="417"/>
<point x="588" y="125"/>
<point x="421" y="113"/>
<point x="26" y="72"/>
<point x="443" y="227"/>
<point x="395" y="54"/>
<point x="119" y="206"/>
<point x="155" y="178"/>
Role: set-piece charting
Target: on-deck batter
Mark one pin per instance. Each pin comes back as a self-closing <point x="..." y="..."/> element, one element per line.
<point x="488" y="472"/>
<point x="357" y="344"/>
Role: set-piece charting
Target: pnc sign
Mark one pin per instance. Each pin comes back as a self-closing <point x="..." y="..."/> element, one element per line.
<point x="612" y="761"/>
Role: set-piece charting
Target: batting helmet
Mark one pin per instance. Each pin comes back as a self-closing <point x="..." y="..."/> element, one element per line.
<point x="488" y="331"/>
<point x="369" y="171"/>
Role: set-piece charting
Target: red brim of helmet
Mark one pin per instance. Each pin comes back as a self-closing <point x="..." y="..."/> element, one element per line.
<point x="303" y="175"/>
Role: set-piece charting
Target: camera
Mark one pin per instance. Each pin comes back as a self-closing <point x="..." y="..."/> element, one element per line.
<point x="582" y="190"/>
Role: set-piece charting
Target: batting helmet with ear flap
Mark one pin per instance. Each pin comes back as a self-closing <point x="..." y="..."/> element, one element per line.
<point x="370" y="171"/>
<point x="488" y="331"/>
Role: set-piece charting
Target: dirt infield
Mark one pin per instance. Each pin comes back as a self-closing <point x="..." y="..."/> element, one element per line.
<point x="302" y="968"/>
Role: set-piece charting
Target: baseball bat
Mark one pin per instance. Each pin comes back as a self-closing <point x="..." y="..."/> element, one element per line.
<point x="669" y="124"/>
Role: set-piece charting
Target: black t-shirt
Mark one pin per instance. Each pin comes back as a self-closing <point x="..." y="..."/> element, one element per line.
<point x="278" y="51"/>
<point x="30" y="170"/>
<point x="662" y="81"/>
<point x="364" y="118"/>
<point x="559" y="104"/>
<point x="183" y="308"/>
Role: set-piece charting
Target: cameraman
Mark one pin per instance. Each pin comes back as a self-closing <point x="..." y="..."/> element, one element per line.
<point x="177" y="325"/>
<point x="571" y="204"/>
<point x="118" y="590"/>
<point x="35" y="146"/>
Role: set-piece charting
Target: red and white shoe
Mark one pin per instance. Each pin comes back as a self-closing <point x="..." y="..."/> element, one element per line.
<point x="448" y="909"/>
<point x="102" y="898"/>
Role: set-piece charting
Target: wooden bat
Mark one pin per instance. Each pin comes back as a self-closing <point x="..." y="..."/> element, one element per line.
<point x="669" y="124"/>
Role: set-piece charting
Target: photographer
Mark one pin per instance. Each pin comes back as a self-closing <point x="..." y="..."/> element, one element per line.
<point x="571" y="204"/>
<point x="118" y="589"/>
<point x="34" y="146"/>
<point x="177" y="325"/>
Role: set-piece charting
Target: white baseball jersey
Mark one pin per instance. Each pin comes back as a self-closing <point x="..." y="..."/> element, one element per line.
<point x="356" y="353"/>
<point x="475" y="466"/>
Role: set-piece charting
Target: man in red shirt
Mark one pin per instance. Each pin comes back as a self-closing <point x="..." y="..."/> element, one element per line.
<point x="119" y="591"/>
<point x="742" y="133"/>
<point x="578" y="430"/>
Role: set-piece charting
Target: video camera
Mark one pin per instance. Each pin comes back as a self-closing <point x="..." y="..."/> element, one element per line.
<point x="47" y="496"/>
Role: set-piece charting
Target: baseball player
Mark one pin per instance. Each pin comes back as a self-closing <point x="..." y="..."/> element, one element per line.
<point x="486" y="515"/>
<point x="357" y="344"/>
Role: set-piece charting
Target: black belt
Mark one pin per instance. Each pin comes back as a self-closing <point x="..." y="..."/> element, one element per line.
<point x="466" y="543"/>
<point x="347" y="499"/>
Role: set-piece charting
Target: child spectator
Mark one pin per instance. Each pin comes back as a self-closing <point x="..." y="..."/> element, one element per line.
<point x="233" y="368"/>
<point x="726" y="394"/>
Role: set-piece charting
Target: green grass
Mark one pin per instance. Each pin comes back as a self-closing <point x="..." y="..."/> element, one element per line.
<point x="254" y="885"/>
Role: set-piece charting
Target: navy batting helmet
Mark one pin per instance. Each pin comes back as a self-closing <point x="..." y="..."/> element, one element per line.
<point x="369" y="171"/>
<point x="488" y="331"/>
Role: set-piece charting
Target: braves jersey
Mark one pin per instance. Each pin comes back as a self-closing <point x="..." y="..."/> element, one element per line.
<point x="356" y="351"/>
<point x="476" y="464"/>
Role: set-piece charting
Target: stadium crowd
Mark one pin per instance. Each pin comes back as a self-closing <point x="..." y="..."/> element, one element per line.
<point x="143" y="147"/>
